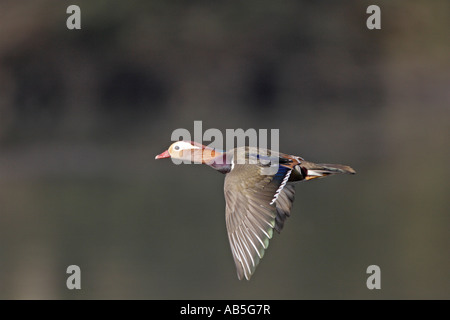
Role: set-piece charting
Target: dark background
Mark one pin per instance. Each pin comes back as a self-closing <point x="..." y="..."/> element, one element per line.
<point x="84" y="112"/>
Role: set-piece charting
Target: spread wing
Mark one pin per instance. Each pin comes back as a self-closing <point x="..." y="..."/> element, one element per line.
<point x="255" y="205"/>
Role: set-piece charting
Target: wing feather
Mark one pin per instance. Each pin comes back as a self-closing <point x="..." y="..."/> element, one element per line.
<point x="255" y="205"/>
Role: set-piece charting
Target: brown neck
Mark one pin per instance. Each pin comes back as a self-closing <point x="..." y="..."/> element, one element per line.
<point x="216" y="160"/>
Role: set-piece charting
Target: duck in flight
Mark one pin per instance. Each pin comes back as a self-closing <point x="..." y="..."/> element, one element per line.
<point x="259" y="191"/>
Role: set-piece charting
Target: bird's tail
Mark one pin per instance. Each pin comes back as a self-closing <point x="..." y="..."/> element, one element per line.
<point x="321" y="170"/>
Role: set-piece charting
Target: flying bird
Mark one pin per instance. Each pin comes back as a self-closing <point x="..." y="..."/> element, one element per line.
<point x="259" y="192"/>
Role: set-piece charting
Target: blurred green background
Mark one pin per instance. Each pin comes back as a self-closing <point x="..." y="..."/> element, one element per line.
<point x="84" y="112"/>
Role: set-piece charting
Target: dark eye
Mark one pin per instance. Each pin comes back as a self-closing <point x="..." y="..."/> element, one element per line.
<point x="177" y="147"/>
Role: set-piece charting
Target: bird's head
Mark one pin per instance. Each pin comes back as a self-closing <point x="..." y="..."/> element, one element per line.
<point x="189" y="151"/>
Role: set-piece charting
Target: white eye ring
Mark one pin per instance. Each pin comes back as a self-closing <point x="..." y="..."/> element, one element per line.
<point x="182" y="145"/>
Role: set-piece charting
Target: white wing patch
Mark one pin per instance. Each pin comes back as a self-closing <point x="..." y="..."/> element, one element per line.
<point x="314" y="173"/>
<point x="232" y="159"/>
<point x="283" y="183"/>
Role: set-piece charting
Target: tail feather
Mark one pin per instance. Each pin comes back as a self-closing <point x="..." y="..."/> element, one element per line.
<point x="315" y="171"/>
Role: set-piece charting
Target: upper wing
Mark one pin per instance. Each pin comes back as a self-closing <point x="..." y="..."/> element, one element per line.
<point x="255" y="205"/>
